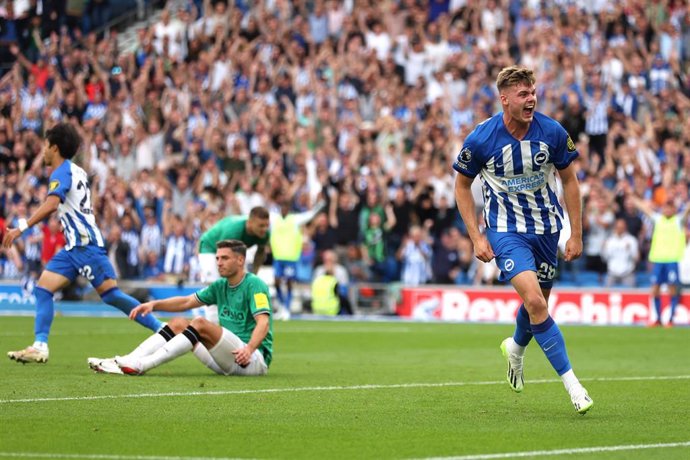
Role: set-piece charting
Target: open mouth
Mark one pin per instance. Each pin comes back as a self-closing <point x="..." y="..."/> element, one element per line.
<point x="527" y="112"/>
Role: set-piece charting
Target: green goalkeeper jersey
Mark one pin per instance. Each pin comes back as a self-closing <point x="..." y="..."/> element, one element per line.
<point x="229" y="228"/>
<point x="238" y="305"/>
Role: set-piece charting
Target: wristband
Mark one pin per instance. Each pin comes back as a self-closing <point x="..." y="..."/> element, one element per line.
<point x="22" y="225"/>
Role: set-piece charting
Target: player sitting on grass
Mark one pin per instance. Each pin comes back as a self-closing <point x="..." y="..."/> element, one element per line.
<point x="251" y="230"/>
<point x="241" y="345"/>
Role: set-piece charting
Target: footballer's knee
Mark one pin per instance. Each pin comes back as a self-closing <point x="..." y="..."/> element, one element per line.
<point x="178" y="324"/>
<point x="199" y="323"/>
<point x="204" y="326"/>
<point x="209" y="332"/>
<point x="536" y="306"/>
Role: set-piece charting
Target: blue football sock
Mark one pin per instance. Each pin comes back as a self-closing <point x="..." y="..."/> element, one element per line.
<point x="288" y="298"/>
<point x="279" y="293"/>
<point x="126" y="303"/>
<point x="523" y="332"/>
<point x="551" y="341"/>
<point x="674" y="303"/>
<point x="44" y="313"/>
<point x="657" y="307"/>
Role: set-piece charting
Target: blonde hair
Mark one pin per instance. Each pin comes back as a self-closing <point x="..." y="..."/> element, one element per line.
<point x="514" y="75"/>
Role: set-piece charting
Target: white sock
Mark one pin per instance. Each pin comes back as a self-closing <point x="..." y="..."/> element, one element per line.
<point x="202" y="354"/>
<point x="40" y="346"/>
<point x="571" y="382"/>
<point x="177" y="346"/>
<point x="514" y="348"/>
<point x="148" y="346"/>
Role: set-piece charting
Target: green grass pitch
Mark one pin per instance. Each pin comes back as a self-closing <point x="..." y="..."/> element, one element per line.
<point x="349" y="390"/>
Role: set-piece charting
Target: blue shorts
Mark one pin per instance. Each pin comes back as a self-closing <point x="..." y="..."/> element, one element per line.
<point x="665" y="273"/>
<point x="285" y="269"/>
<point x="91" y="262"/>
<point x="519" y="252"/>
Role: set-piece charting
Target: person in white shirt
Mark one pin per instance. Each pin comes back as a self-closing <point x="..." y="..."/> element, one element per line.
<point x="415" y="256"/>
<point x="172" y="29"/>
<point x="377" y="38"/>
<point x="417" y="61"/>
<point x="621" y="254"/>
<point x="597" y="223"/>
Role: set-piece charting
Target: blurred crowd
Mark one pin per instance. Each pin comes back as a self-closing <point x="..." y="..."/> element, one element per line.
<point x="363" y="104"/>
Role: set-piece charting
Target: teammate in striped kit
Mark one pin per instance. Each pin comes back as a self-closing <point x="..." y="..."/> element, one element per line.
<point x="84" y="253"/>
<point x="517" y="154"/>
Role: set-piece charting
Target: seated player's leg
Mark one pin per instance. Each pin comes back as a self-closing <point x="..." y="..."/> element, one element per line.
<point x="145" y="348"/>
<point x="165" y="334"/>
<point x="209" y="274"/>
<point x="222" y="353"/>
<point x="58" y="273"/>
<point x="202" y="354"/>
<point x="182" y="343"/>
<point x="104" y="365"/>
<point x="93" y="264"/>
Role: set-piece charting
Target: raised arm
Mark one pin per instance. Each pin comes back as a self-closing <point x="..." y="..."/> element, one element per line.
<point x="390" y="217"/>
<point x="305" y="217"/>
<point x="642" y="206"/>
<point x="684" y="215"/>
<point x="333" y="207"/>
<point x="14" y="49"/>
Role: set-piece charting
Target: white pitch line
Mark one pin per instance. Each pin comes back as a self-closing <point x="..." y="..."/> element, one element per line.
<point x="103" y="456"/>
<point x="536" y="453"/>
<point x="579" y="450"/>
<point x="321" y="388"/>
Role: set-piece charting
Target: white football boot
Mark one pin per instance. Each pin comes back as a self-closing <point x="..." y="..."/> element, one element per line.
<point x="581" y="400"/>
<point x="104" y="365"/>
<point x="129" y="366"/>
<point x="514" y="374"/>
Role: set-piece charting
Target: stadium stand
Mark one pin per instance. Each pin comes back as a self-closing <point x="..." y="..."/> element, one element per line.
<point x="216" y="107"/>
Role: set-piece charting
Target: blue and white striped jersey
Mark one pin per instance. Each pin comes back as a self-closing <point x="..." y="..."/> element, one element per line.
<point x="518" y="177"/>
<point x="70" y="183"/>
